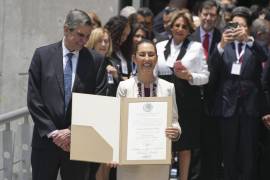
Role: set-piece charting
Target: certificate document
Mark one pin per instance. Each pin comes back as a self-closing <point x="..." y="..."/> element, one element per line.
<point x="131" y="132"/>
<point x="146" y="139"/>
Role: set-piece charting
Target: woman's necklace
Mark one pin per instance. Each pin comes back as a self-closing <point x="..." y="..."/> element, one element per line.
<point x="141" y="89"/>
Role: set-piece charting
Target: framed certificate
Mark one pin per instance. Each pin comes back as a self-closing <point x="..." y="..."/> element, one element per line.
<point x="143" y="124"/>
<point x="124" y="130"/>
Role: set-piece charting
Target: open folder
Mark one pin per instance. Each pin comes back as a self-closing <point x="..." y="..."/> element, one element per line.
<point x="124" y="130"/>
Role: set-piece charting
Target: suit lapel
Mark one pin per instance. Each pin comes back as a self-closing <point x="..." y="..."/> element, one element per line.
<point x="215" y="40"/>
<point x="197" y="35"/>
<point x="58" y="59"/>
<point x="167" y="49"/>
<point x="80" y="71"/>
<point x="231" y="54"/>
<point x="246" y="58"/>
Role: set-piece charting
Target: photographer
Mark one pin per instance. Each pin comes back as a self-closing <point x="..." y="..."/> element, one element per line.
<point x="236" y="68"/>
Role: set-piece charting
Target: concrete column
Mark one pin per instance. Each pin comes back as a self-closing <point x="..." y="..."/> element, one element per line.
<point x="136" y="3"/>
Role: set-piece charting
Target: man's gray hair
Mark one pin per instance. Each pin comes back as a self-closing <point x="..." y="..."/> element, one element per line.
<point x="127" y="11"/>
<point x="76" y="18"/>
<point x="259" y="25"/>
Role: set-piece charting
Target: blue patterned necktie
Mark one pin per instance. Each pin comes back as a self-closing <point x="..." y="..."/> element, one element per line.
<point x="68" y="79"/>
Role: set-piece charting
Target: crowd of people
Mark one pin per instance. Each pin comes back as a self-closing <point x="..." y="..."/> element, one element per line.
<point x="213" y="62"/>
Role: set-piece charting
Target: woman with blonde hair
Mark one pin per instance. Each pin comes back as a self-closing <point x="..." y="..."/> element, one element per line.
<point x="108" y="76"/>
<point x="100" y="41"/>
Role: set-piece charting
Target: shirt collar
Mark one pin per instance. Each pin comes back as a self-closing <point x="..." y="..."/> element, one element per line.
<point x="249" y="42"/>
<point x="66" y="51"/>
<point x="176" y="46"/>
<point x="203" y="32"/>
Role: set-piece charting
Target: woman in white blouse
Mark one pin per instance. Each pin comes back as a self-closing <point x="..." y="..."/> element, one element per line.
<point x="145" y="84"/>
<point x="182" y="62"/>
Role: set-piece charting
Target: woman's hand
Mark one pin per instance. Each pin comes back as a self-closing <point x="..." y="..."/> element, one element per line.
<point x="183" y="73"/>
<point x="172" y="133"/>
<point x="112" y="70"/>
<point x="112" y="164"/>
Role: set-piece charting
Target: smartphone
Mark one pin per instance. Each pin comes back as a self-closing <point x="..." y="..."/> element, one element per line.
<point x="231" y="25"/>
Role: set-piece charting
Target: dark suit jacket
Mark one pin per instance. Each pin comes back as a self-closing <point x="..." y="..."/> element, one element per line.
<point x="215" y="40"/>
<point x="104" y="88"/>
<point x="45" y="96"/>
<point x="207" y="91"/>
<point x="244" y="90"/>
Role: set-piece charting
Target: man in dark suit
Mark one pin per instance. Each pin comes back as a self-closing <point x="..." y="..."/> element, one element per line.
<point x="209" y="36"/>
<point x="260" y="31"/>
<point x="240" y="104"/>
<point x="265" y="132"/>
<point x="55" y="72"/>
<point x="207" y="33"/>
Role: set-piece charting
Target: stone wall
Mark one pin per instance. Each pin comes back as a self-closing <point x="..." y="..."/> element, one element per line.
<point x="26" y="25"/>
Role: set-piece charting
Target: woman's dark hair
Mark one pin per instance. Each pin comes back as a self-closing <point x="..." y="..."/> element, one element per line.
<point x="133" y="18"/>
<point x="116" y="25"/>
<point x="128" y="44"/>
<point x="142" y="42"/>
<point x="267" y="15"/>
<point x="95" y="19"/>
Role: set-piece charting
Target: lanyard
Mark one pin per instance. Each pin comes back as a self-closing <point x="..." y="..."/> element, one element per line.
<point x="123" y="61"/>
<point x="134" y="69"/>
<point x="239" y="56"/>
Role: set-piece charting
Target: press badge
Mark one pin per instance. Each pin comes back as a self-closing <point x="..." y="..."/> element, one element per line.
<point x="236" y="68"/>
<point x="124" y="68"/>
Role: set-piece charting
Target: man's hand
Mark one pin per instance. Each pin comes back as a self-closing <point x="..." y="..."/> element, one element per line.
<point x="62" y="139"/>
<point x="228" y="36"/>
<point x="240" y="34"/>
<point x="266" y="120"/>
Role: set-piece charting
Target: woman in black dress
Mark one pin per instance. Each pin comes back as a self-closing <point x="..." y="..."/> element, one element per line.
<point x="182" y="62"/>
